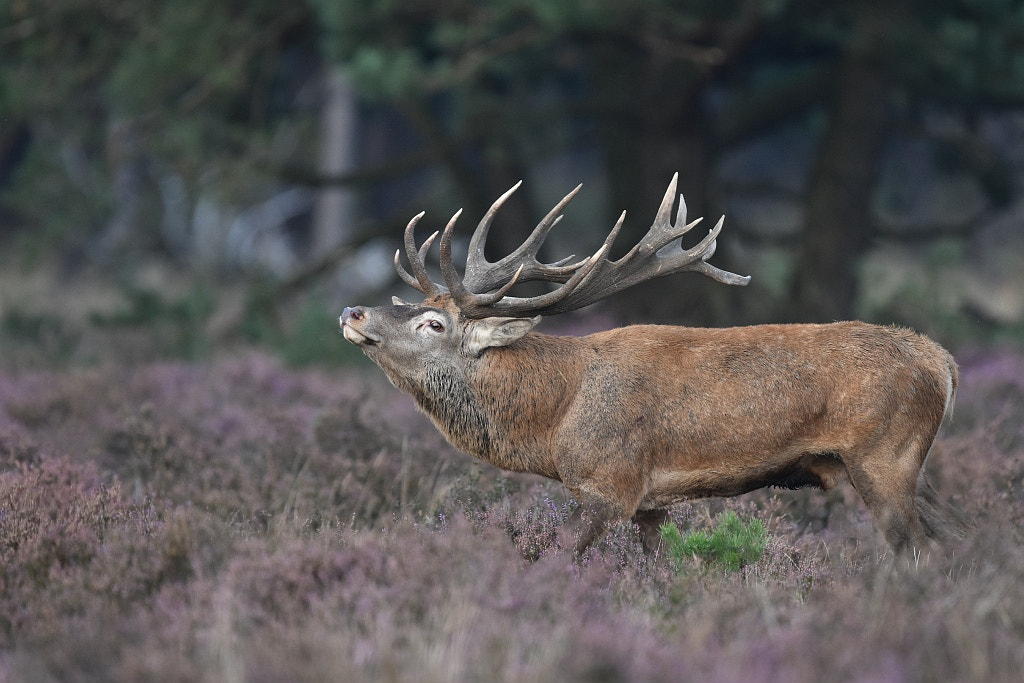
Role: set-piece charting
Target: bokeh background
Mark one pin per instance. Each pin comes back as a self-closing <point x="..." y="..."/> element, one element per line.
<point x="239" y="171"/>
<point x="200" y="480"/>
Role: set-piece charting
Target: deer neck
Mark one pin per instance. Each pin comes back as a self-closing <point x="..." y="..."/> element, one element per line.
<point x="447" y="394"/>
<point x="505" y="406"/>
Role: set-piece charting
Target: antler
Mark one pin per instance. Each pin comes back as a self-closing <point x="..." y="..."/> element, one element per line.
<point x="483" y="291"/>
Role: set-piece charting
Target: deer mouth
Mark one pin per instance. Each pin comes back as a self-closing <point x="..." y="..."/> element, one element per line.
<point x="357" y="337"/>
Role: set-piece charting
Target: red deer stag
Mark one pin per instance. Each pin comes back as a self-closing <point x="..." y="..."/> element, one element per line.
<point x="635" y="419"/>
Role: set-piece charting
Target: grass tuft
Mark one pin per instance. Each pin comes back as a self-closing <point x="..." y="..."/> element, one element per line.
<point x="730" y="546"/>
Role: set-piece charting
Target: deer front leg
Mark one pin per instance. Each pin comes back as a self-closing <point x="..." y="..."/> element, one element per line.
<point x="608" y="488"/>
<point x="588" y="523"/>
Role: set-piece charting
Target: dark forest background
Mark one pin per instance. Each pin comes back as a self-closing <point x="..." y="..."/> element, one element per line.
<point x="241" y="170"/>
<point x="191" y="191"/>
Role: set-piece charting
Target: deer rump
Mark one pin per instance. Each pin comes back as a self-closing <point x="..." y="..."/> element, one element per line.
<point x="635" y="419"/>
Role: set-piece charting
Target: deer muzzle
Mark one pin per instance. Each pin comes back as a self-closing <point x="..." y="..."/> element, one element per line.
<point x="352" y="323"/>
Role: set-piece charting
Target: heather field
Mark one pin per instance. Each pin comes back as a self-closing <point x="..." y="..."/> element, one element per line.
<point x="235" y="519"/>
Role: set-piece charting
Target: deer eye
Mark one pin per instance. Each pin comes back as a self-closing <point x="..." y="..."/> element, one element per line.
<point x="434" y="325"/>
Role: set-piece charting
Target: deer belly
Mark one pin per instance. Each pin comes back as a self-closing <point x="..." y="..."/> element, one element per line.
<point x="669" y="486"/>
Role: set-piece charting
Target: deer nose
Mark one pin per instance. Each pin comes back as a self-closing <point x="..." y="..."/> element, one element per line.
<point x="354" y="313"/>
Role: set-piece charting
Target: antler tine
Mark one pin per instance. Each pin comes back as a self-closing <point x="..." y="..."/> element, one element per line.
<point x="681" y="217"/>
<point x="419" y="279"/>
<point x="705" y="252"/>
<point x="551" y="301"/>
<point x="469" y="303"/>
<point x="662" y="232"/>
<point x="479" y="238"/>
<point x="451" y="276"/>
<point x="424" y="248"/>
<point x="494" y="297"/>
<point x="403" y="273"/>
<point x="665" y="210"/>
<point x="483" y="276"/>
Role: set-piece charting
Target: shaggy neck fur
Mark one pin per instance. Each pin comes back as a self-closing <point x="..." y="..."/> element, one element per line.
<point x="504" y="406"/>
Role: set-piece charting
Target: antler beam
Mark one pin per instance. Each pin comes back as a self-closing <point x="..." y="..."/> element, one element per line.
<point x="483" y="291"/>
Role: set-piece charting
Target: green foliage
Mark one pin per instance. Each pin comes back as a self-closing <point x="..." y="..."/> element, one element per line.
<point x="190" y="88"/>
<point x="48" y="335"/>
<point x="314" y="338"/>
<point x="176" y="324"/>
<point x="963" y="49"/>
<point x="478" y="52"/>
<point x="58" y="208"/>
<point x="731" y="546"/>
<point x="310" y="336"/>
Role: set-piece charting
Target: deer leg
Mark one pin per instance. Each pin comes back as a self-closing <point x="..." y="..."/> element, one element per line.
<point x="942" y="521"/>
<point x="587" y="524"/>
<point x="648" y="523"/>
<point x="888" y="486"/>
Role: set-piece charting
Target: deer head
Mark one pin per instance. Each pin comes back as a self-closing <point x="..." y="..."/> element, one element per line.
<point x="469" y="314"/>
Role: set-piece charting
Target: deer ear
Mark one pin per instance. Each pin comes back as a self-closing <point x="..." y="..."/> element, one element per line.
<point x="490" y="332"/>
<point x="395" y="301"/>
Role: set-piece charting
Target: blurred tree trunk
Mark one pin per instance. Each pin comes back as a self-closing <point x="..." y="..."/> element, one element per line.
<point x="669" y="141"/>
<point x="332" y="214"/>
<point x="653" y="128"/>
<point x="501" y="167"/>
<point x="837" y="225"/>
<point x="665" y="132"/>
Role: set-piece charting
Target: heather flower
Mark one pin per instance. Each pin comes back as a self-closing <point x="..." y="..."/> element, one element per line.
<point x="240" y="520"/>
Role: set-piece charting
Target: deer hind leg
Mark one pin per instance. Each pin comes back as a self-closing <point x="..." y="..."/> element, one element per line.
<point x="887" y="480"/>
<point x="648" y="523"/>
<point x="942" y="521"/>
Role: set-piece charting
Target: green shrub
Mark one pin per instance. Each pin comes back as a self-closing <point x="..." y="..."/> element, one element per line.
<point x="730" y="546"/>
<point x="175" y="323"/>
<point x="307" y="335"/>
